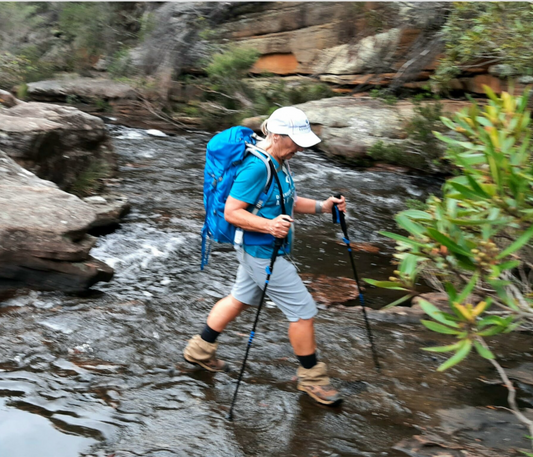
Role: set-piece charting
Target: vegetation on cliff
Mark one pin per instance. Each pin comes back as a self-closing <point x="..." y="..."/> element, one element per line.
<point x="487" y="33"/>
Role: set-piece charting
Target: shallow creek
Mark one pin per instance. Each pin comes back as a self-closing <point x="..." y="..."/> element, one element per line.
<point x="102" y="375"/>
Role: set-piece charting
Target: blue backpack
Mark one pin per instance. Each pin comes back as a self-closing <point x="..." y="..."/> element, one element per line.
<point x="225" y="153"/>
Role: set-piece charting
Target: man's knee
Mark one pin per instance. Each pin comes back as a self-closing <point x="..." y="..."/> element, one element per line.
<point x="236" y="303"/>
<point x="303" y="322"/>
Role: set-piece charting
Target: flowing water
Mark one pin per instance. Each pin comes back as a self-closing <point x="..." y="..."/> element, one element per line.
<point x="102" y="375"/>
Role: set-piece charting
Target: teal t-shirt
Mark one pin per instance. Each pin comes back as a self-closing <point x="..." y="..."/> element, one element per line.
<point x="248" y="186"/>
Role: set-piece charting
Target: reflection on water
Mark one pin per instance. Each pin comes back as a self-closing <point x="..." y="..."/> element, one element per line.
<point x="23" y="434"/>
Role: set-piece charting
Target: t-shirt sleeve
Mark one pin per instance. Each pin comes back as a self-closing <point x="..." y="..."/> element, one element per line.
<point x="250" y="181"/>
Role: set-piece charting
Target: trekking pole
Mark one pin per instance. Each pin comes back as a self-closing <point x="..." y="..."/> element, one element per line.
<point x="277" y="246"/>
<point x="338" y="217"/>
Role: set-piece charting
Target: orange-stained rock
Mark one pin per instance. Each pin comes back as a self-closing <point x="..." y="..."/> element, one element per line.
<point x="280" y="64"/>
<point x="342" y="91"/>
<point x="380" y="79"/>
<point x="476" y="83"/>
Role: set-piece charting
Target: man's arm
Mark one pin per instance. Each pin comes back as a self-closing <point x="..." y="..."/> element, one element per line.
<point x="235" y="213"/>
<point x="309" y="206"/>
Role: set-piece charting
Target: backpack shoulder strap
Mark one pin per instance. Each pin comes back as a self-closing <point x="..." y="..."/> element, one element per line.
<point x="271" y="172"/>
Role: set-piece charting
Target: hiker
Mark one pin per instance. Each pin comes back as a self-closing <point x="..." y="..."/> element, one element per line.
<point x="287" y="132"/>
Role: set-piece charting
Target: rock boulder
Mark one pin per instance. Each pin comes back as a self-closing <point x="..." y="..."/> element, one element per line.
<point x="57" y="143"/>
<point x="43" y="234"/>
<point x="88" y="89"/>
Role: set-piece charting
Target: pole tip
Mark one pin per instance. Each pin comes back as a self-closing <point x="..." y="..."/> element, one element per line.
<point x="230" y="416"/>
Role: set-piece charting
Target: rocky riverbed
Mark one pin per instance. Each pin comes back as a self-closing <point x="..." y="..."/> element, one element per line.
<point x="103" y="375"/>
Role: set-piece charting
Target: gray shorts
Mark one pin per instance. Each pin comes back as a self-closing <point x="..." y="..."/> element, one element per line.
<point x="285" y="287"/>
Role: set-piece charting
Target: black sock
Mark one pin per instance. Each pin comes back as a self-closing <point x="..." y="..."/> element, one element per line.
<point x="307" y="361"/>
<point x="209" y="335"/>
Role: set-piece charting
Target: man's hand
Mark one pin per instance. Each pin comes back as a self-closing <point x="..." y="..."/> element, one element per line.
<point x="327" y="206"/>
<point x="279" y="227"/>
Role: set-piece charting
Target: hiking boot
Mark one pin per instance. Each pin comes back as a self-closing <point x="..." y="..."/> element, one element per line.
<point x="315" y="383"/>
<point x="202" y="353"/>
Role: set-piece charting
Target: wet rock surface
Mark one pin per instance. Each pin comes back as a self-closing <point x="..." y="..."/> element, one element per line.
<point x="107" y="368"/>
<point x="110" y="208"/>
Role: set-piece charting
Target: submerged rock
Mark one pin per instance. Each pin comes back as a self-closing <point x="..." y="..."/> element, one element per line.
<point x="330" y="291"/>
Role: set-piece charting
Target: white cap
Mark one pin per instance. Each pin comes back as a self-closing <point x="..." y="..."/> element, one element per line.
<point x="293" y="122"/>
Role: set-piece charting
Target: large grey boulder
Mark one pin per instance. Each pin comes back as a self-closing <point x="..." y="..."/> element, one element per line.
<point x="349" y="126"/>
<point x="58" y="143"/>
<point x="43" y="234"/>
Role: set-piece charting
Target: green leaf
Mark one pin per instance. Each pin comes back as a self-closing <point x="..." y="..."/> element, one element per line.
<point x="403" y="239"/>
<point x="484" y="121"/>
<point x="475" y="222"/>
<point x="444" y="240"/>
<point x="385" y="284"/>
<point x="483" y="351"/>
<point x="432" y="311"/>
<point x="509" y="265"/>
<point x="417" y="215"/>
<point x="512" y="327"/>
<point x="444" y="138"/>
<point x="472" y="159"/>
<point x="408" y="265"/>
<point x="450" y="290"/>
<point x="491" y="331"/>
<point x="490" y="93"/>
<point x="519" y="243"/>
<point x="451" y="347"/>
<point x="476" y="186"/>
<point x="448" y="123"/>
<point x="468" y="288"/>
<point x="407" y="224"/>
<point x="467" y="192"/>
<point x="439" y="328"/>
<point x="400" y="300"/>
<point x="458" y="357"/>
<point x="490" y="320"/>
<point x="466" y="263"/>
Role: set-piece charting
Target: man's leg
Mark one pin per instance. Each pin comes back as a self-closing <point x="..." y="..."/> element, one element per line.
<point x="201" y="348"/>
<point x="224" y="312"/>
<point x="312" y="375"/>
<point x="302" y="337"/>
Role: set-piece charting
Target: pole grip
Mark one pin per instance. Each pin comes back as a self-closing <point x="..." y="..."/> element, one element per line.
<point x="338" y="214"/>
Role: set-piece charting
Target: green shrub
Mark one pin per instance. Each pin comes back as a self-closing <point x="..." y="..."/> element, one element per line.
<point x="387" y="152"/>
<point x="476" y="243"/>
<point x="413" y="203"/>
<point x="499" y="32"/>
<point x="89" y="180"/>
<point x="233" y="63"/>
<point x="103" y="105"/>
<point x="120" y="64"/>
<point x="13" y="70"/>
<point x="384" y="95"/>
<point x="420" y="131"/>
